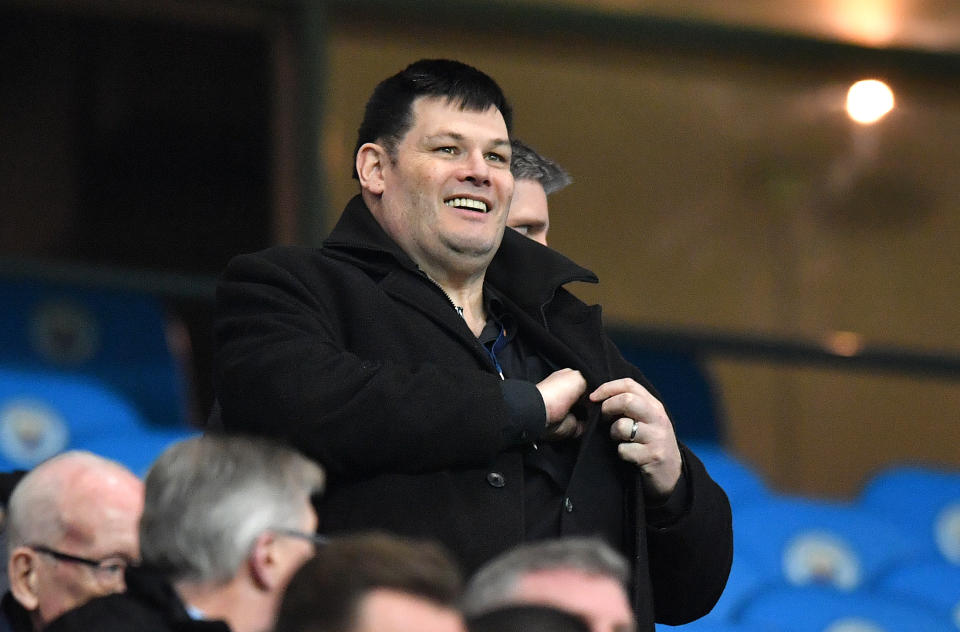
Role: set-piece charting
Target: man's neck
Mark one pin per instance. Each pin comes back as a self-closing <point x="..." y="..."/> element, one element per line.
<point x="241" y="607"/>
<point x="466" y="294"/>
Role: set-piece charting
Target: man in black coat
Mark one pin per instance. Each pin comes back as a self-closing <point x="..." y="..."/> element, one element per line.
<point x="450" y="385"/>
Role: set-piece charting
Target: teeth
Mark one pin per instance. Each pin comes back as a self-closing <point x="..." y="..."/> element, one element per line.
<point x="476" y="205"/>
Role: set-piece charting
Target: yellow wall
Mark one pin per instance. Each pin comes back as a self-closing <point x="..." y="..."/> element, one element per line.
<point x="730" y="193"/>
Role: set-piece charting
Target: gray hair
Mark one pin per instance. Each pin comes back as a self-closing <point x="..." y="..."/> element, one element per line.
<point x="35" y="511"/>
<point x="494" y="584"/>
<point x="527" y="164"/>
<point x="208" y="499"/>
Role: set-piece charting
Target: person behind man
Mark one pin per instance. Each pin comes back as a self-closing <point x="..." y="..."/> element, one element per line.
<point x="535" y="177"/>
<point x="374" y="582"/>
<point x="226" y="523"/>
<point x="71" y="529"/>
<point x="527" y="618"/>
<point x="435" y="365"/>
<point x="583" y="576"/>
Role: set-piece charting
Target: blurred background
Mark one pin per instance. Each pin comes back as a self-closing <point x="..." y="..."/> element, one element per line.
<point x="789" y="275"/>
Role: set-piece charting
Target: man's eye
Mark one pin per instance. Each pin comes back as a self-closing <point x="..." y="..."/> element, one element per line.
<point x="495" y="157"/>
<point x="447" y="150"/>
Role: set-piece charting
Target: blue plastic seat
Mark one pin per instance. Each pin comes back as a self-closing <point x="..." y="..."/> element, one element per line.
<point x="810" y="542"/>
<point x="743" y="485"/>
<point x="934" y="583"/>
<point x="43" y="413"/>
<point x="119" y="338"/>
<point x="823" y="610"/>
<point x="921" y="499"/>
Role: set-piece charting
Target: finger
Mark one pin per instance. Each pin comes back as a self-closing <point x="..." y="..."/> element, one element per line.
<point x="622" y="429"/>
<point x="629" y="430"/>
<point x="614" y="387"/>
<point x="643" y="407"/>
<point x="569" y="426"/>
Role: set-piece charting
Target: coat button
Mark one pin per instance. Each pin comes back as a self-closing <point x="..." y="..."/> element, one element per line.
<point x="568" y="504"/>
<point x="496" y="479"/>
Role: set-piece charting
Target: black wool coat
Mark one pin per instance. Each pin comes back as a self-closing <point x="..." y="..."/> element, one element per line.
<point x="149" y="605"/>
<point x="353" y="355"/>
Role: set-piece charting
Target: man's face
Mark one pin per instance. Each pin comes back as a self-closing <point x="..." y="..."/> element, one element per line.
<point x="386" y="610"/>
<point x="529" y="214"/>
<point x="600" y="600"/>
<point x="444" y="194"/>
<point x="100" y="529"/>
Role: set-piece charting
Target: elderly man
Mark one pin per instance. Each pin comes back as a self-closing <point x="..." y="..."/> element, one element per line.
<point x="226" y="523"/>
<point x="436" y="366"/>
<point x="374" y="583"/>
<point x="582" y="576"/>
<point x="535" y="177"/>
<point x="71" y="532"/>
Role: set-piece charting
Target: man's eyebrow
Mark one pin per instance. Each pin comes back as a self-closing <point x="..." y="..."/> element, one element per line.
<point x="457" y="136"/>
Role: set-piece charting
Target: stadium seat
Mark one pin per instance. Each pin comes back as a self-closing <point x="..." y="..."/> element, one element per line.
<point x="119" y="338"/>
<point x="934" y="583"/>
<point x="819" y="609"/>
<point x="812" y="542"/>
<point x="743" y="485"/>
<point x="923" y="500"/>
<point x="43" y="413"/>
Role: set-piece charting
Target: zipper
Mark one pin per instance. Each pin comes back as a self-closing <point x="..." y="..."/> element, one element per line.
<point x="459" y="311"/>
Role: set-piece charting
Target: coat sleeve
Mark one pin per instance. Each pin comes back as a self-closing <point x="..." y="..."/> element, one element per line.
<point x="689" y="559"/>
<point x="284" y="368"/>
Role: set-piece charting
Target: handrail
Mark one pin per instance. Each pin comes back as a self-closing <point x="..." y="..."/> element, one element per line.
<point x="840" y="351"/>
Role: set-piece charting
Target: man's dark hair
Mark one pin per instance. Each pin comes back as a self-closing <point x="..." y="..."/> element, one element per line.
<point x="388" y="113"/>
<point x="324" y="594"/>
<point x="527" y="164"/>
<point x="527" y="618"/>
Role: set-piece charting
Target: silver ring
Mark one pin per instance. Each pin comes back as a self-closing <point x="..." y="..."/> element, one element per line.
<point x="633" y="431"/>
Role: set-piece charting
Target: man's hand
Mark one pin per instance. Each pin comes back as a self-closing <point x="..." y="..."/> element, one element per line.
<point x="645" y="433"/>
<point x="560" y="391"/>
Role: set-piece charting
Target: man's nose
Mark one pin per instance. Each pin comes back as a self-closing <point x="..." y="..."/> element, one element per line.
<point x="477" y="169"/>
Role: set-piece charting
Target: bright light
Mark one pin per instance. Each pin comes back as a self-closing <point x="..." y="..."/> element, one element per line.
<point x="868" y="101"/>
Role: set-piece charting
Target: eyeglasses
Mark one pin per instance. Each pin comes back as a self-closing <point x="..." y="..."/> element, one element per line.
<point x="315" y="538"/>
<point x="106" y="570"/>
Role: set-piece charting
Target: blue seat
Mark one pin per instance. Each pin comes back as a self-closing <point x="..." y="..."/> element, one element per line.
<point x="922" y="499"/>
<point x="743" y="485"/>
<point x="812" y="542"/>
<point x="119" y="338"/>
<point x="819" y="609"/>
<point x="43" y="413"/>
<point x="934" y="583"/>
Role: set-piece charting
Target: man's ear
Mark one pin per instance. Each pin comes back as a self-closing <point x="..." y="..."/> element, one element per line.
<point x="371" y="160"/>
<point x="22" y="572"/>
<point x="262" y="562"/>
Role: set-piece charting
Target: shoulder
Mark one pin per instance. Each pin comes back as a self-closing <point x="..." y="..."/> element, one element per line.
<point x="117" y="613"/>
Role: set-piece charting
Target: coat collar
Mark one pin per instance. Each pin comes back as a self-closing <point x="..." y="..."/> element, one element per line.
<point x="522" y="269"/>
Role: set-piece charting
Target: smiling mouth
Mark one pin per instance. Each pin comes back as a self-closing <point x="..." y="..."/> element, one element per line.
<point x="468" y="204"/>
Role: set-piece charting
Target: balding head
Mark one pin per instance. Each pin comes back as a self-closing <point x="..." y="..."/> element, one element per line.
<point x="77" y="504"/>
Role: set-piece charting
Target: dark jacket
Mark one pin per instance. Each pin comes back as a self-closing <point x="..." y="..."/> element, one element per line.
<point x="13" y="616"/>
<point x="353" y="355"/>
<point x="149" y="605"/>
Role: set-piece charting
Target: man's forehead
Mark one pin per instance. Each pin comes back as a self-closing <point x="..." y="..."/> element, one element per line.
<point x="441" y="116"/>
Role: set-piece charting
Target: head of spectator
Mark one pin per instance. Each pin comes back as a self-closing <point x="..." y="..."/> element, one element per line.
<point x="584" y="576"/>
<point x="433" y="161"/>
<point x="227" y="521"/>
<point x="527" y="618"/>
<point x="71" y="533"/>
<point x="374" y="583"/>
<point x="535" y="177"/>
